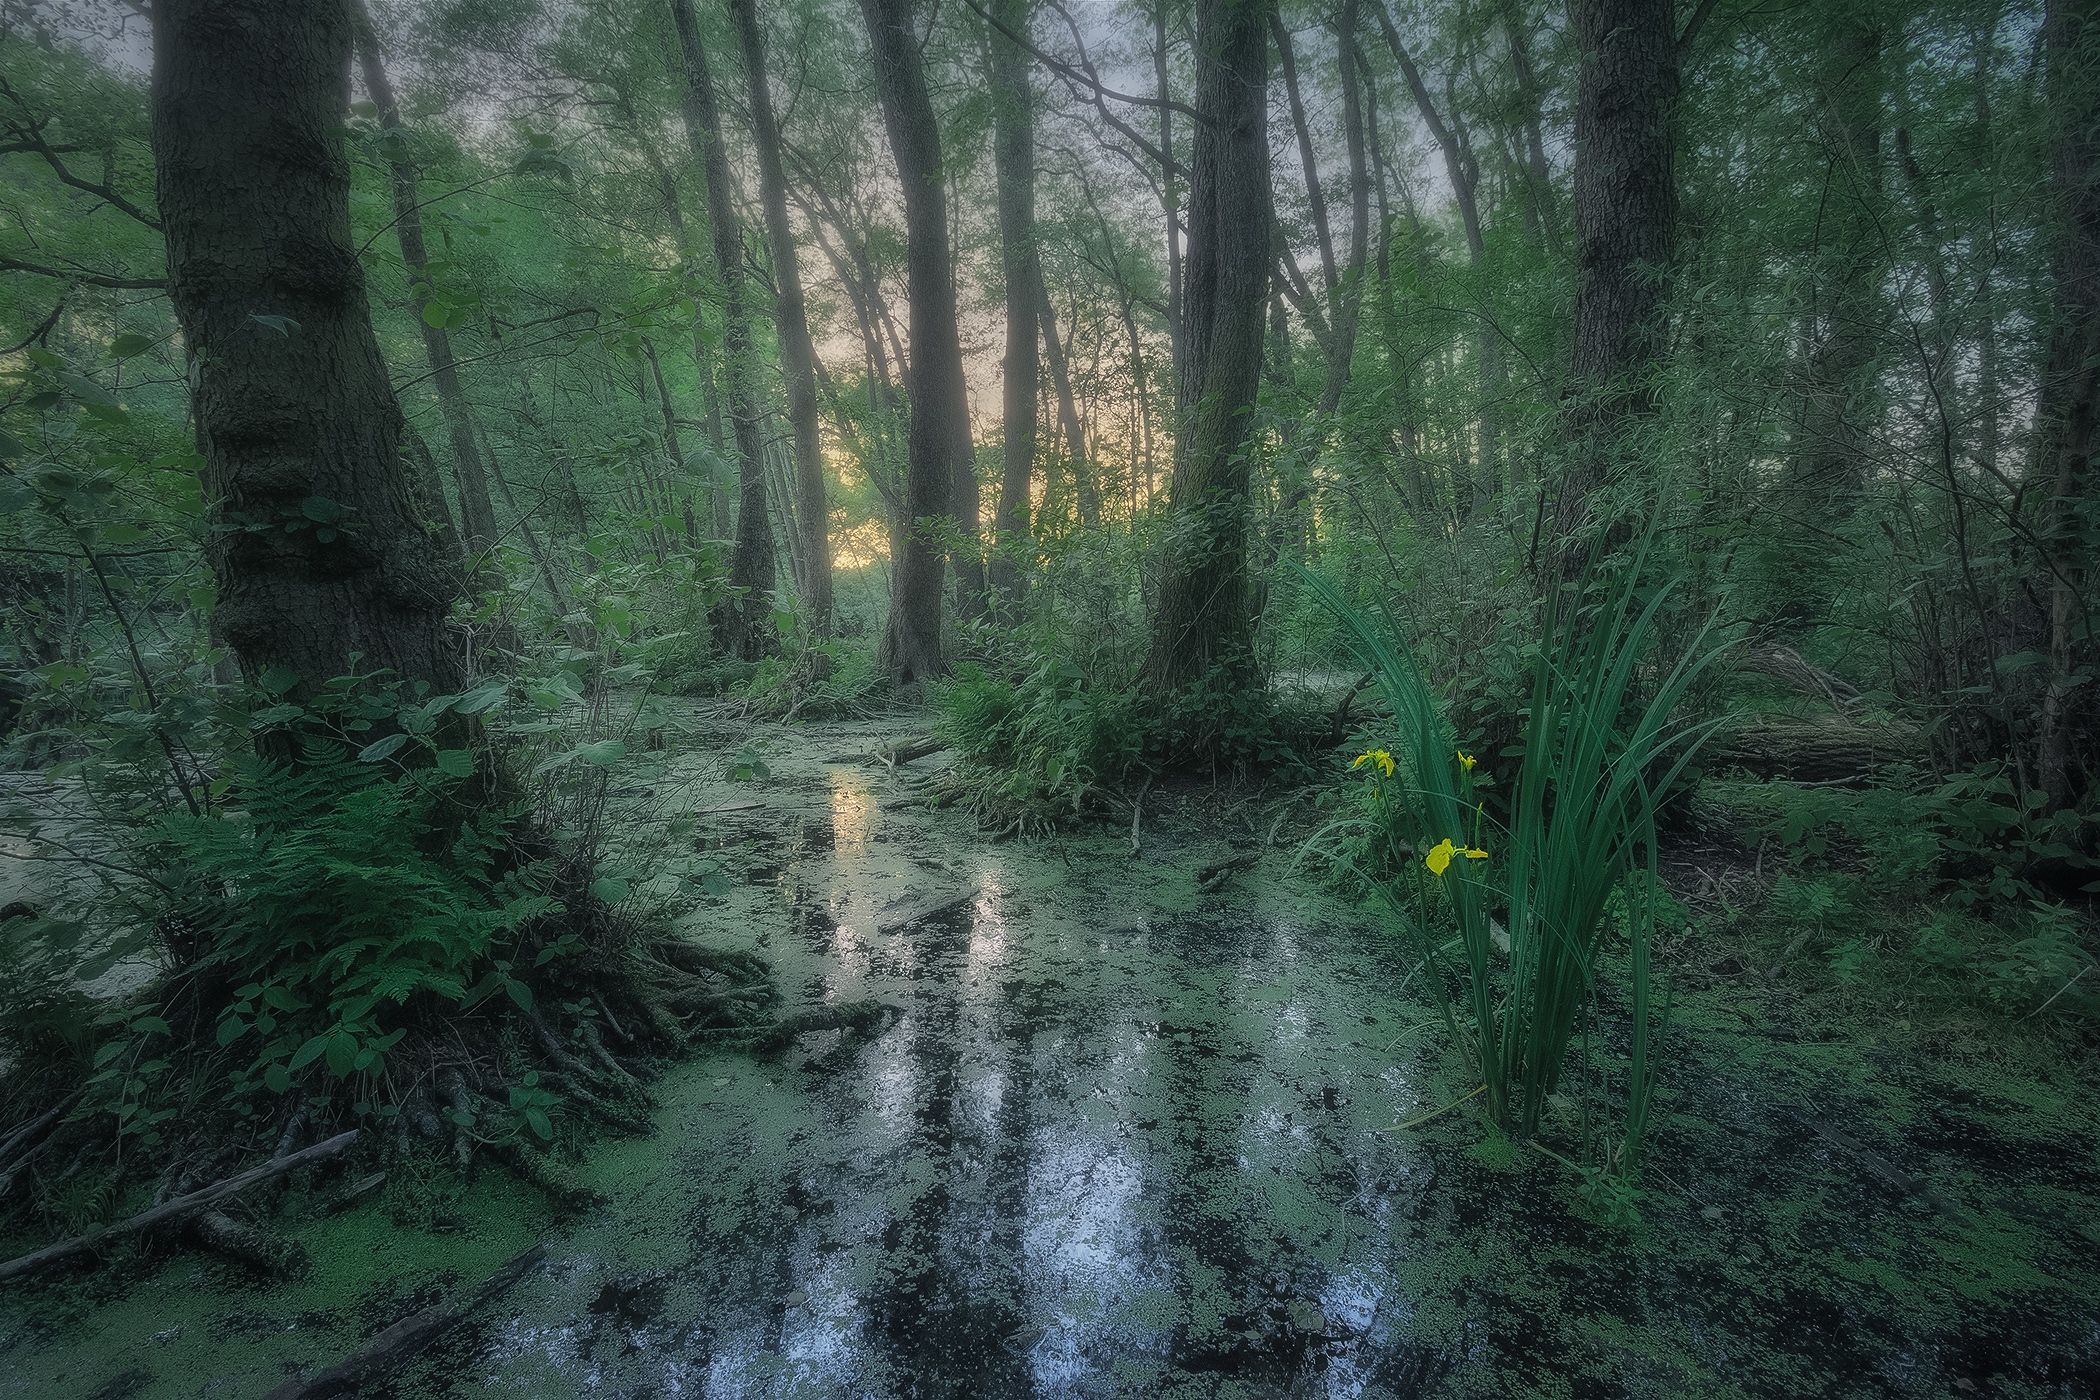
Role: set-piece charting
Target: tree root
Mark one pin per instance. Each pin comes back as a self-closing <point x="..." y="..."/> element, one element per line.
<point x="847" y="1016"/>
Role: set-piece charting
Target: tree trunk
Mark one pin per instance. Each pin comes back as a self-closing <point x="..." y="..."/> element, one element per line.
<point x="1169" y="194"/>
<point x="2067" y="419"/>
<point x="1200" y="624"/>
<point x="318" y="555"/>
<point x="791" y="317"/>
<point x="1085" y="486"/>
<point x="1463" y="171"/>
<point x="1626" y="240"/>
<point x="740" y="624"/>
<point x="474" y="501"/>
<point x="911" y="642"/>
<point x="1827" y="473"/>
<point x="1013" y="154"/>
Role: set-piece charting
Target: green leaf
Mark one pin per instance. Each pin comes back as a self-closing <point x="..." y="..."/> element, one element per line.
<point x="321" y="509"/>
<point x="435" y="314"/>
<point x="151" y="1023"/>
<point x="342" y="1054"/>
<point x="519" y="992"/>
<point x="125" y="346"/>
<point x="457" y="762"/>
<point x="231" y="1029"/>
<point x="609" y="889"/>
<point x="311" y="1051"/>
<point x="603" y="754"/>
<point x="715" y="883"/>
<point x="381" y="748"/>
<point x="538" y="1119"/>
<point x="278" y="1078"/>
<point x="87" y="390"/>
<point x="110" y="1052"/>
<point x="277" y="680"/>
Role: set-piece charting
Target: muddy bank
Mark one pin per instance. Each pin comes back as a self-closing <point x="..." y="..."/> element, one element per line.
<point x="1125" y="1137"/>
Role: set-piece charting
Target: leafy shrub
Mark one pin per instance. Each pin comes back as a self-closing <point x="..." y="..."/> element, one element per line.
<point x="1053" y="733"/>
<point x="336" y="895"/>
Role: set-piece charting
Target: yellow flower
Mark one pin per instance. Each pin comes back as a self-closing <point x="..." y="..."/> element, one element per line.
<point x="1465" y="760"/>
<point x="1377" y="758"/>
<point x="1443" y="852"/>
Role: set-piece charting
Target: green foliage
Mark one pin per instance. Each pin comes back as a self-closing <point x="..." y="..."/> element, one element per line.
<point x="1053" y="735"/>
<point x="332" y="896"/>
<point x="1581" y="833"/>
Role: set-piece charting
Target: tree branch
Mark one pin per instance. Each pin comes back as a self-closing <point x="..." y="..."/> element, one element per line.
<point x="92" y="279"/>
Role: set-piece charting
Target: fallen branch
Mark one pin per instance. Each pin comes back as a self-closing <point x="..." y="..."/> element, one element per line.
<point x="1887" y="1171"/>
<point x="906" y="750"/>
<point x="406" y="1337"/>
<point x="181" y="1208"/>
<point x="43" y="1121"/>
<point x="924" y="914"/>
<point x="261" y="1250"/>
<point x="1211" y="878"/>
<point x="848" y="1016"/>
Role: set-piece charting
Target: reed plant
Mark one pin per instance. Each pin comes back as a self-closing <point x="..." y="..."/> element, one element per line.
<point x="1535" y="900"/>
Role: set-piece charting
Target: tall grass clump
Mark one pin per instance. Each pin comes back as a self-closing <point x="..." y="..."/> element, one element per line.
<point x="1530" y="899"/>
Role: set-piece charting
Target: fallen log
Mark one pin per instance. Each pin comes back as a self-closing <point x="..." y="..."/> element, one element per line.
<point x="1811" y="752"/>
<point x="30" y="1130"/>
<point x="261" y="1250"/>
<point x="179" y="1209"/>
<point x="406" y="1337"/>
<point x="906" y="750"/>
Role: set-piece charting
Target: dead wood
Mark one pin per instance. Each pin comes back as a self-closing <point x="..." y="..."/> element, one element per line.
<point x="847" y="1016"/>
<point x="1211" y="878"/>
<point x="262" y="1250"/>
<point x="354" y="1193"/>
<point x="1811" y="752"/>
<point x="34" y="1129"/>
<point x="935" y="911"/>
<point x="177" y="1210"/>
<point x="406" y="1337"/>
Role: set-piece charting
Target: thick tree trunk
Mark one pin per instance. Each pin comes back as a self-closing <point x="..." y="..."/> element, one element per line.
<point x="319" y="556"/>
<point x="740" y="624"/>
<point x="1200" y="628"/>
<point x="1013" y="155"/>
<point x="1626" y="240"/>
<point x="474" y="501"/>
<point x="911" y="643"/>
<point x="791" y="317"/>
<point x="2067" y="418"/>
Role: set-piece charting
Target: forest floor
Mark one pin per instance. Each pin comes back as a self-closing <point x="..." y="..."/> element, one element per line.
<point x="1129" y="1137"/>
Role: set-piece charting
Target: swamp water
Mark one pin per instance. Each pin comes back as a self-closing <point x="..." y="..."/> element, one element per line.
<point x="1127" y="1138"/>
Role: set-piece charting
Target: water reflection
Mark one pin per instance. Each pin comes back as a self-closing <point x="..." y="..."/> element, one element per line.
<point x="1091" y="1155"/>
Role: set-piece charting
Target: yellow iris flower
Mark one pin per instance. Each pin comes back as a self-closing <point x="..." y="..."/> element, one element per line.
<point x="1377" y="758"/>
<point x="1465" y="760"/>
<point x="1445" y="851"/>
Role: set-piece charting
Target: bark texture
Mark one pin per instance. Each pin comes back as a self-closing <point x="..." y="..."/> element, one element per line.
<point x="940" y="423"/>
<point x="317" y="549"/>
<point x="1013" y="156"/>
<point x="740" y="624"/>
<point x="1200" y="626"/>
<point x="798" y="356"/>
<point x="1626" y="239"/>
